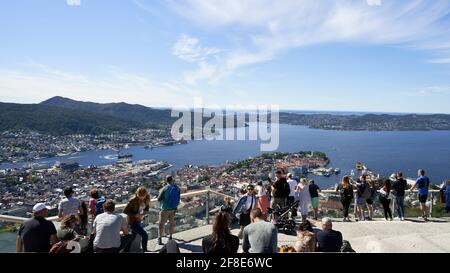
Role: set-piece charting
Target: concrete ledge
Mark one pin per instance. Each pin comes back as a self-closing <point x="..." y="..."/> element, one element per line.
<point x="411" y="235"/>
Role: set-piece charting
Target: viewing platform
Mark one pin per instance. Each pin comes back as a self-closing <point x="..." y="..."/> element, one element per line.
<point x="378" y="236"/>
<point x="411" y="235"/>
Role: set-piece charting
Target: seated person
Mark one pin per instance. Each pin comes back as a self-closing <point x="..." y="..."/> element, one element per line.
<point x="221" y="240"/>
<point x="328" y="240"/>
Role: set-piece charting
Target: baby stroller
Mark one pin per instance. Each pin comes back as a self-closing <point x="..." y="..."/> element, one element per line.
<point x="282" y="217"/>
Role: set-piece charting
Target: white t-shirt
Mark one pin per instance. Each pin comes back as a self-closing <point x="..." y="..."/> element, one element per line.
<point x="292" y="184"/>
<point x="261" y="191"/>
<point x="248" y="204"/>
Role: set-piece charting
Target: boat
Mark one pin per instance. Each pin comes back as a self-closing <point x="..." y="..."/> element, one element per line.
<point x="337" y="171"/>
<point x="127" y="155"/>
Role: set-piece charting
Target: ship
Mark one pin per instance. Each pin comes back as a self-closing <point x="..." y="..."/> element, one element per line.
<point x="127" y="155"/>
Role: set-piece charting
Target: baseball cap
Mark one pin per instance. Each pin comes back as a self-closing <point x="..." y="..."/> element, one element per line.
<point x="39" y="207"/>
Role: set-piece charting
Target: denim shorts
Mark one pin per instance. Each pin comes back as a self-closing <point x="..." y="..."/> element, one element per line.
<point x="361" y="201"/>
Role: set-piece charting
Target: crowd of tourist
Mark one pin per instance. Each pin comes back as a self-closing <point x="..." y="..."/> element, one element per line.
<point x="112" y="233"/>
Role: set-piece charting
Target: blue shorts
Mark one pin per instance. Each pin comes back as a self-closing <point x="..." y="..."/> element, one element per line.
<point x="360" y="201"/>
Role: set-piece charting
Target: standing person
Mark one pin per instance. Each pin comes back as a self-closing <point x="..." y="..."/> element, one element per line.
<point x="291" y="198"/>
<point x="314" y="195"/>
<point x="328" y="239"/>
<point x="280" y="190"/>
<point x="136" y="209"/>
<point x="422" y="183"/>
<point x="243" y="207"/>
<point x="221" y="241"/>
<point x="385" y="199"/>
<point x="398" y="190"/>
<point x="306" y="239"/>
<point x="83" y="218"/>
<point x="446" y="190"/>
<point x="260" y="236"/>
<point x="68" y="205"/>
<point x="262" y="198"/>
<point x="37" y="234"/>
<point x="107" y="228"/>
<point x="345" y="190"/>
<point x="96" y="203"/>
<point x="169" y="197"/>
<point x="302" y="190"/>
<point x="292" y="185"/>
<point x="364" y="193"/>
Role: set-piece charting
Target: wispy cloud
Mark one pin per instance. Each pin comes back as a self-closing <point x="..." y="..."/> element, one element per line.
<point x="73" y="2"/>
<point x="188" y="49"/>
<point x="429" y="91"/>
<point x="41" y="82"/>
<point x="272" y="27"/>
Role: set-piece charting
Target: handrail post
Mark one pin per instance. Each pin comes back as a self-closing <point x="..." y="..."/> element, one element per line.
<point x="207" y="207"/>
<point x="431" y="204"/>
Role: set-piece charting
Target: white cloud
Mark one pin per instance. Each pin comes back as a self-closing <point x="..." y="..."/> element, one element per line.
<point x="73" y="2"/>
<point x="39" y="82"/>
<point x="188" y="49"/>
<point x="272" y="27"/>
<point x="440" y="61"/>
<point x="429" y="91"/>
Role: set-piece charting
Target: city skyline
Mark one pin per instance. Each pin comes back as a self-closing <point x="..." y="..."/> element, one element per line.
<point x="362" y="56"/>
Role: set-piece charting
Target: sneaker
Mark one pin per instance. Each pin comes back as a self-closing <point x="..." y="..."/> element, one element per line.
<point x="160" y="241"/>
<point x="390" y="219"/>
<point x="402" y="219"/>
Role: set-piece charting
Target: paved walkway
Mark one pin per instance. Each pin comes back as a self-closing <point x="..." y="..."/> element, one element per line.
<point x="411" y="235"/>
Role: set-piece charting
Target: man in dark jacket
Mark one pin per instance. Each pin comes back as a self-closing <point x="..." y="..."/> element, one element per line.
<point x="328" y="239"/>
<point x="398" y="190"/>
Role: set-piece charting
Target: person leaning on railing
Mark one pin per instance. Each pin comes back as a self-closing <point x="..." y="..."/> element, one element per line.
<point x="136" y="209"/>
<point x="446" y="194"/>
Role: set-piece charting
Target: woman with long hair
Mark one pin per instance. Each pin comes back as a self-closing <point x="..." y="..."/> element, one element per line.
<point x="221" y="240"/>
<point x="136" y="210"/>
<point x="306" y="239"/>
<point x="385" y="199"/>
<point x="345" y="189"/>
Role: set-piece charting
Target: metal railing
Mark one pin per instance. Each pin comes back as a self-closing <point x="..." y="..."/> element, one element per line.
<point x="207" y="192"/>
<point x="431" y="194"/>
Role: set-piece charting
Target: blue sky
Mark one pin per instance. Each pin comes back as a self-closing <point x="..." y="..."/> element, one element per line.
<point x="360" y="55"/>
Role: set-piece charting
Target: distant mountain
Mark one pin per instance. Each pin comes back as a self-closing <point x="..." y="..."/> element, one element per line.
<point x="370" y="122"/>
<point x="150" y="117"/>
<point x="59" y="121"/>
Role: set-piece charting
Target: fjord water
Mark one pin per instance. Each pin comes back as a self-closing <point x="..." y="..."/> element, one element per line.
<point x="383" y="152"/>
